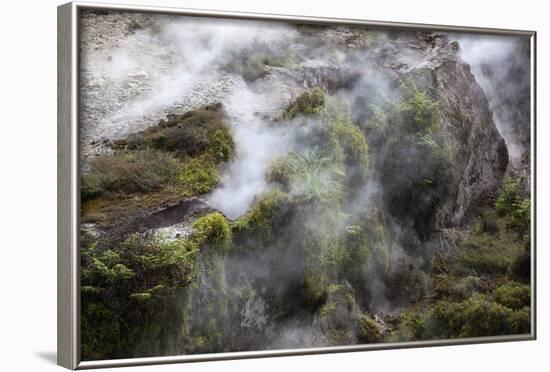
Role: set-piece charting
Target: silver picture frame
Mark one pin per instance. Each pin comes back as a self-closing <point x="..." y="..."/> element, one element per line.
<point x="68" y="196"/>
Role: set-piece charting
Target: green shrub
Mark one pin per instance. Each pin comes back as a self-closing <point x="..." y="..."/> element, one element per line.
<point x="281" y="170"/>
<point x="198" y="176"/>
<point x="464" y="288"/>
<point x="513" y="206"/>
<point x="369" y="330"/>
<point x="312" y="177"/>
<point x="414" y="326"/>
<point x="488" y="223"/>
<point x="444" y="320"/>
<point x="483" y="254"/>
<point x="315" y="290"/>
<point x="128" y="172"/>
<point x="214" y="230"/>
<point x="353" y="143"/>
<point x="100" y="331"/>
<point x="327" y="309"/>
<point x="141" y="297"/>
<point x="308" y="102"/>
<point x="407" y="285"/>
<point x="475" y="317"/>
<point x="195" y="133"/>
<point x="485" y="318"/>
<point x="513" y="295"/>
<point x="520" y="321"/>
<point x="265" y="215"/>
<point x="357" y="256"/>
<point x="129" y="294"/>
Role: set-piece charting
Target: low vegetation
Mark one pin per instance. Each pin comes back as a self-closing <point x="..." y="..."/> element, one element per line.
<point x="177" y="158"/>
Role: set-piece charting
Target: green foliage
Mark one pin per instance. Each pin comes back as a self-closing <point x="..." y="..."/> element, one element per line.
<point x="485" y="318"/>
<point x="264" y="217"/>
<point x="414" y="326"/>
<point x="513" y="295"/>
<point x="406" y="284"/>
<point x="420" y="114"/>
<point x="488" y="223"/>
<point x="369" y="330"/>
<point x="177" y="158"/>
<point x="214" y="230"/>
<point x="443" y="320"/>
<point x="315" y="289"/>
<point x="488" y="253"/>
<point x="327" y="309"/>
<point x="190" y="177"/>
<point x="307" y="103"/>
<point x="355" y="262"/>
<point x="198" y="176"/>
<point x="511" y="205"/>
<point x="477" y="294"/>
<point x="466" y="287"/>
<point x="128" y="293"/>
<point x="310" y="176"/>
<point x="141" y="297"/>
<point x="414" y="113"/>
<point x="195" y="133"/>
<point x="350" y="138"/>
<point x="149" y="284"/>
<point x="477" y="316"/>
<point x="128" y="172"/>
<point x="101" y="332"/>
<point x="410" y="150"/>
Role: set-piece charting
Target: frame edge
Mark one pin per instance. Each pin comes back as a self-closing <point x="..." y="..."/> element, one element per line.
<point x="66" y="301"/>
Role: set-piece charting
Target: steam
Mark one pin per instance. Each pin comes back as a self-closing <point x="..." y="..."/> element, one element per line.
<point x="175" y="67"/>
<point x="501" y="66"/>
<point x="256" y="145"/>
<point x="178" y="68"/>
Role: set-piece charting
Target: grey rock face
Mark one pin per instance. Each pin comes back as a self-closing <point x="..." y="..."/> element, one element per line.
<point x="478" y="152"/>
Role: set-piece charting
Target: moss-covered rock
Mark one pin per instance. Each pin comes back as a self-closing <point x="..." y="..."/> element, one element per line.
<point x="195" y="133"/>
<point x="213" y="230"/>
<point x="264" y="217"/>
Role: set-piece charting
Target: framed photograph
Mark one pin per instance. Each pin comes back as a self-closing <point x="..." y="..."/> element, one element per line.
<point x="236" y="185"/>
